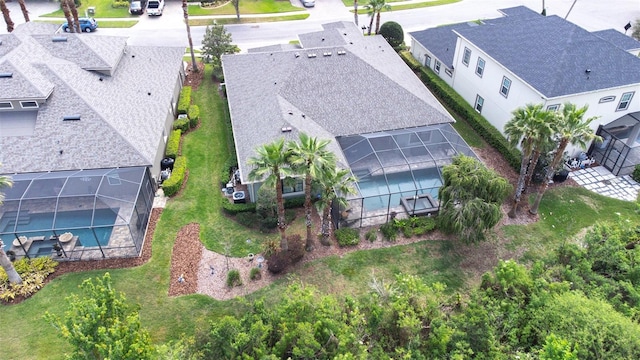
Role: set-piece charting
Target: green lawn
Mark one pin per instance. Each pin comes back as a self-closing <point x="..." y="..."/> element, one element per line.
<point x="246" y="7"/>
<point x="246" y="20"/>
<point x="103" y="10"/>
<point x="416" y="5"/>
<point x="107" y="24"/>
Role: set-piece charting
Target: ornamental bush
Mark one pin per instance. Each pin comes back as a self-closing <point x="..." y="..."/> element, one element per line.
<point x="182" y="125"/>
<point x="348" y="237"/>
<point x="33" y="273"/>
<point x="233" y="278"/>
<point x="194" y="115"/>
<point x="185" y="100"/>
<point x="173" y="144"/>
<point x="172" y="185"/>
<point x="393" y="33"/>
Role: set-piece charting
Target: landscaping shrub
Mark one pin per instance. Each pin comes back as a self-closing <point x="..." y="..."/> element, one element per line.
<point x="119" y="4"/>
<point x="173" y="144"/>
<point x="296" y="248"/>
<point x="389" y="231"/>
<point x="294" y="202"/>
<point x="194" y="115"/>
<point x="457" y="104"/>
<point x="184" y="101"/>
<point x="393" y="33"/>
<point x="234" y="209"/>
<point x="181" y="124"/>
<point x="424" y="225"/>
<point x="635" y="175"/>
<point x="255" y="274"/>
<point x="348" y="237"/>
<point x="33" y="273"/>
<point x="269" y="223"/>
<point x="233" y="278"/>
<point x="270" y="247"/>
<point x="248" y="219"/>
<point x="278" y="261"/>
<point x="172" y="185"/>
<point x="371" y="235"/>
<point x="415" y="225"/>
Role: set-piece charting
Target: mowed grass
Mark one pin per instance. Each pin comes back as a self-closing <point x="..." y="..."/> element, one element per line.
<point x="107" y="24"/>
<point x="246" y="20"/>
<point x="246" y="7"/>
<point x="414" y="5"/>
<point x="103" y="10"/>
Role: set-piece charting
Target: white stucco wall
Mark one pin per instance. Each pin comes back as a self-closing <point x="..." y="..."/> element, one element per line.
<point x="420" y="53"/>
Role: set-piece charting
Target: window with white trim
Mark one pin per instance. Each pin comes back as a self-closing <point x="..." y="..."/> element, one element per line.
<point x="448" y="72"/>
<point x="625" y="100"/>
<point x="29" y="104"/>
<point x="480" y="67"/>
<point x="437" y="67"/>
<point x="479" y="103"/>
<point x="288" y="187"/>
<point x="553" y="107"/>
<point x="6" y="105"/>
<point x="606" y="99"/>
<point x="506" y="85"/>
<point x="466" y="57"/>
<point x="427" y="61"/>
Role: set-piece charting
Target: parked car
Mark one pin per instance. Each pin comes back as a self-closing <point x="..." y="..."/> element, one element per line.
<point x="308" y="3"/>
<point x="155" y="7"/>
<point x="86" y="25"/>
<point x="137" y="7"/>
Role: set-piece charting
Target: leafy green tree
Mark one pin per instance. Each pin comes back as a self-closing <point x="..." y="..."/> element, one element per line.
<point x="570" y="127"/>
<point x="529" y="127"/>
<point x="374" y="7"/>
<point x="270" y="165"/>
<point x="5" y="262"/>
<point x="557" y="349"/>
<point x="309" y="156"/>
<point x="335" y="184"/>
<point x="470" y="198"/>
<point x="217" y="42"/>
<point x="100" y="325"/>
<point x="393" y="33"/>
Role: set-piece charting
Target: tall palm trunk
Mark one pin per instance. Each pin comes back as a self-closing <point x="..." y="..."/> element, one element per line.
<point x="519" y="187"/>
<point x="326" y="225"/>
<point x="67" y="15"/>
<point x="355" y="11"/>
<point x="307" y="212"/>
<point x="185" y="10"/>
<point x="532" y="168"/>
<point x="7" y="17"/>
<point x="14" y="277"/>
<point x="282" y="226"/>
<point x="549" y="175"/>
<point x="74" y="12"/>
<point x="378" y="21"/>
<point x="373" y="15"/>
<point x="25" y="12"/>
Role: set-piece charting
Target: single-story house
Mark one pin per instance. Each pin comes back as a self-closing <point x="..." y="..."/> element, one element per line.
<point x="356" y="91"/>
<point x="501" y="64"/>
<point x="84" y="121"/>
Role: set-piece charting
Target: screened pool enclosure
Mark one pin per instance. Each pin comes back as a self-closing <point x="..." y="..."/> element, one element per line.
<point x="398" y="172"/>
<point x="74" y="215"/>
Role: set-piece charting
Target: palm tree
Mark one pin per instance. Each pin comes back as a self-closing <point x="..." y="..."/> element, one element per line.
<point x="7" y="17"/>
<point x="569" y="128"/>
<point x="271" y="165"/>
<point x="185" y="10"/>
<point x="335" y="184"/>
<point x="25" y="12"/>
<point x="67" y="15"/>
<point x="6" y="264"/>
<point x="309" y="156"/>
<point x="355" y="11"/>
<point x="529" y="127"/>
<point x="374" y="7"/>
<point x="74" y="12"/>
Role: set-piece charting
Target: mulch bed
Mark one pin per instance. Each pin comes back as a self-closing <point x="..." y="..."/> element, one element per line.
<point x="185" y="259"/>
<point x="194" y="79"/>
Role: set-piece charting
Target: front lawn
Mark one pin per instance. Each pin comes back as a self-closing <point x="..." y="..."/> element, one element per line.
<point x="195" y="21"/>
<point x="246" y="7"/>
<point x="103" y="10"/>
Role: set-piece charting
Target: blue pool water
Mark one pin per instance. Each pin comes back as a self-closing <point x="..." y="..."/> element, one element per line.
<point x="76" y="222"/>
<point x="380" y="192"/>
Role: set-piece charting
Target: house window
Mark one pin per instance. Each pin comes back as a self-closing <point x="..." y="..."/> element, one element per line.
<point x="29" y="104"/>
<point x="466" y="57"/>
<point x="6" y="105"/>
<point x="553" y="107"/>
<point x="607" y="99"/>
<point x="289" y="186"/>
<point x="437" y="67"/>
<point x="427" y="61"/>
<point x="448" y="72"/>
<point x="480" y="67"/>
<point x="506" y="85"/>
<point x="479" y="103"/>
<point x="625" y="99"/>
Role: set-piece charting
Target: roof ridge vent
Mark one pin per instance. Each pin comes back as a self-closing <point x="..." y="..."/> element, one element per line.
<point x="327" y="54"/>
<point x="311" y="55"/>
<point x="341" y="52"/>
<point x="6" y="75"/>
<point x="59" y="39"/>
<point x="286" y="129"/>
<point x="71" y="118"/>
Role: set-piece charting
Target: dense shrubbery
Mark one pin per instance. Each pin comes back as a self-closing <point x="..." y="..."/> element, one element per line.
<point x="635" y="175"/>
<point x="173" y="144"/>
<point x="347" y="236"/>
<point x="393" y="33"/>
<point x="33" y="273"/>
<point x="457" y="104"/>
<point x="389" y="231"/>
<point x="184" y="101"/>
<point x="119" y="4"/>
<point x="415" y="225"/>
<point x="172" y="185"/>
<point x="182" y="125"/>
<point x="194" y="116"/>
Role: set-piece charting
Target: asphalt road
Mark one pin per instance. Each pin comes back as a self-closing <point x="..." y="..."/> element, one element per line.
<point x="169" y="30"/>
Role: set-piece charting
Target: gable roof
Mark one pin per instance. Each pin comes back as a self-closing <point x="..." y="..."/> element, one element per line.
<point x="618" y="39"/>
<point x="356" y="85"/>
<point x="441" y="41"/>
<point x="122" y="115"/>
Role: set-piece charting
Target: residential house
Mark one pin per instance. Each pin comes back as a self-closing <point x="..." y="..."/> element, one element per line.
<point x="523" y="57"/>
<point x="84" y="121"/>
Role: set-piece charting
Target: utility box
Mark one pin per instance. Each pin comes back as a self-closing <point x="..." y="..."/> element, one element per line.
<point x="91" y="11"/>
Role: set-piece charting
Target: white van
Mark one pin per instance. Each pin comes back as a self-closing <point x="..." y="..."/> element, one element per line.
<point x="155" y="7"/>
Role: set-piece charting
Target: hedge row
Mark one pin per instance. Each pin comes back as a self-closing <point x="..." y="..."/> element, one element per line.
<point x="119" y="4"/>
<point x="173" y="144"/>
<point x="172" y="185"/>
<point x="194" y="115"/>
<point x="185" y="100"/>
<point x="457" y="104"/>
<point x="182" y="125"/>
<point x="234" y="209"/>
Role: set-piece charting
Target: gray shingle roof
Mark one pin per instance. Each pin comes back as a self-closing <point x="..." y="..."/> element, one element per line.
<point x="552" y="54"/>
<point x="26" y="83"/>
<point x="88" y="52"/>
<point x="440" y="41"/>
<point x="366" y="89"/>
<point x="122" y="116"/>
<point x="618" y="39"/>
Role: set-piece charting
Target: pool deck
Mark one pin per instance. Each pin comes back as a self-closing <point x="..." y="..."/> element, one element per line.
<point x="600" y="180"/>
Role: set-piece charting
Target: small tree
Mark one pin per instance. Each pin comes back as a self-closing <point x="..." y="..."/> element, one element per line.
<point x="393" y="33"/>
<point x="100" y="325"/>
<point x="470" y="198"/>
<point x="217" y="42"/>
